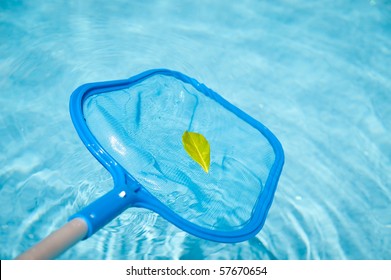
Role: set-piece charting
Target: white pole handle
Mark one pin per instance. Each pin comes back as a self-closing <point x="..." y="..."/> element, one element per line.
<point x="57" y="242"/>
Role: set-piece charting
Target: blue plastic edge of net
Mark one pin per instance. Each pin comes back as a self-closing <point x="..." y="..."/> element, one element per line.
<point x="127" y="192"/>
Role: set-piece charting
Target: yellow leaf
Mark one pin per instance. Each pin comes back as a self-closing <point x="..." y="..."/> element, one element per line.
<point x="196" y="145"/>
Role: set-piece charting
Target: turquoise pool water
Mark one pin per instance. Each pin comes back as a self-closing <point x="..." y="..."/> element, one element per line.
<point x="317" y="74"/>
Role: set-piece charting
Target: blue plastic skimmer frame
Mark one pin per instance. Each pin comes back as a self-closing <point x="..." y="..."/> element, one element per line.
<point x="128" y="192"/>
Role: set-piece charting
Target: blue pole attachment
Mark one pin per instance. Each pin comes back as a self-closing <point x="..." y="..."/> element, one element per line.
<point x="100" y="212"/>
